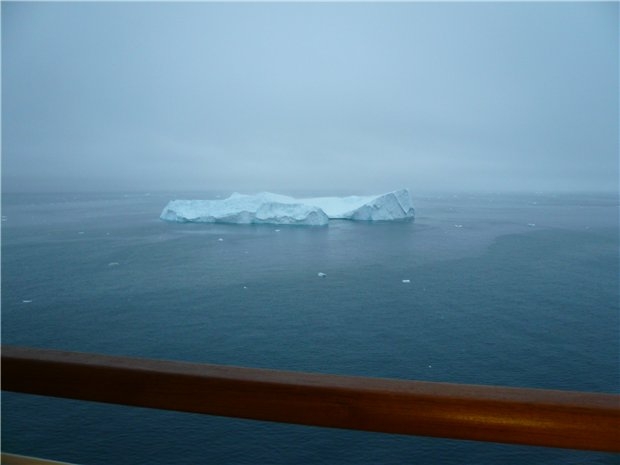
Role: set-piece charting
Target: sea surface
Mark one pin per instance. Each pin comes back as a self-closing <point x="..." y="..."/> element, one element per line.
<point x="505" y="289"/>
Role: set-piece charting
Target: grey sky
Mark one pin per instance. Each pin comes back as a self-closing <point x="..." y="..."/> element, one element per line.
<point x="350" y="96"/>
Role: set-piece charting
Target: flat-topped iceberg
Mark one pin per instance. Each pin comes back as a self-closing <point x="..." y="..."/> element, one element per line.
<point x="271" y="208"/>
<point x="264" y="208"/>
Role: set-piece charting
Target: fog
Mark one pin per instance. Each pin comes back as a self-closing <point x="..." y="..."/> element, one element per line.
<point x="345" y="97"/>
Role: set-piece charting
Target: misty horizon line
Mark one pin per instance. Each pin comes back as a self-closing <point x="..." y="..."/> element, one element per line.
<point x="297" y="192"/>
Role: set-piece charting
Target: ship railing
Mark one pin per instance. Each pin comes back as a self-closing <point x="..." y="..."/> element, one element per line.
<point x="537" y="417"/>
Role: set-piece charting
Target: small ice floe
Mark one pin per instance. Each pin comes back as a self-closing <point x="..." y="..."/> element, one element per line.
<point x="277" y="230"/>
<point x="26" y="301"/>
<point x="80" y="232"/>
<point x="406" y="281"/>
<point x="458" y="225"/>
<point x="321" y="274"/>
<point x="3" y="218"/>
<point x="113" y="264"/>
<point x="532" y="225"/>
<point x="221" y="239"/>
<point x="430" y="366"/>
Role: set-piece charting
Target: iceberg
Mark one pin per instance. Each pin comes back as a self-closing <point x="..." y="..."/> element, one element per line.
<point x="268" y="208"/>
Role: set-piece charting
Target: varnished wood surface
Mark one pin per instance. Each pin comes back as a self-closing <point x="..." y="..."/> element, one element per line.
<point x="575" y="420"/>
<point x="14" y="459"/>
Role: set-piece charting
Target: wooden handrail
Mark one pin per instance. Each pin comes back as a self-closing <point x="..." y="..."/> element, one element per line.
<point x="575" y="420"/>
<point x="15" y="459"/>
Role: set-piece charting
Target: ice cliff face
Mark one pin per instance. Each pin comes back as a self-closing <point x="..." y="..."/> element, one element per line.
<point x="280" y="209"/>
<point x="385" y="207"/>
<point x="245" y="209"/>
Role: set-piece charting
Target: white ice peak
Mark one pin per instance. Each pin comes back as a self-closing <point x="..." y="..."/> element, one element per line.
<point x="281" y="209"/>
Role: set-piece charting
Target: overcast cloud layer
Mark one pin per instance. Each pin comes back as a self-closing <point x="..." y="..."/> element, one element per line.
<point x="356" y="97"/>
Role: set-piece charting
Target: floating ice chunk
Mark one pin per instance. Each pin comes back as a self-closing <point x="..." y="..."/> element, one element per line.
<point x="277" y="230"/>
<point x="406" y="281"/>
<point x="244" y="209"/>
<point x="532" y="225"/>
<point x="80" y="232"/>
<point x="113" y="264"/>
<point x="220" y="239"/>
<point x="458" y="225"/>
<point x="321" y="275"/>
<point x="26" y="301"/>
<point x="385" y="207"/>
<point x="281" y="209"/>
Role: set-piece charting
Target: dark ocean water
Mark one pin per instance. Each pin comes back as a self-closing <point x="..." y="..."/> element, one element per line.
<point x="517" y="290"/>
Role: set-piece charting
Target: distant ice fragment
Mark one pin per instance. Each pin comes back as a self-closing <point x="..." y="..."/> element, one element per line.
<point x="531" y="225"/>
<point x="458" y="225"/>
<point x="221" y="239"/>
<point x="321" y="275"/>
<point x="26" y="301"/>
<point x="281" y="209"/>
<point x="80" y="232"/>
<point x="113" y="264"/>
<point x="406" y="281"/>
